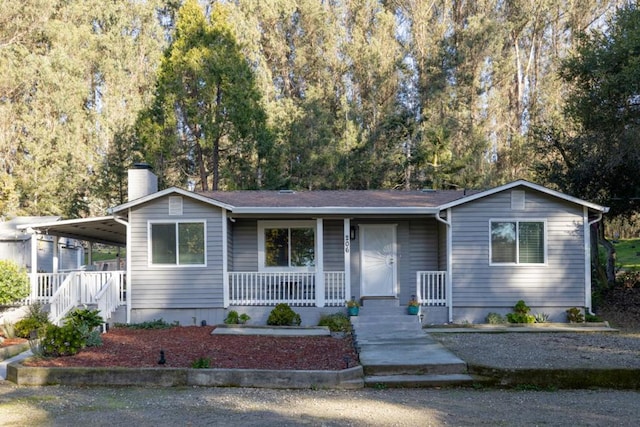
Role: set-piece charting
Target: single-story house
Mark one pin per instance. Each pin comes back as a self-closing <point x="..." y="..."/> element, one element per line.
<point x="192" y="256"/>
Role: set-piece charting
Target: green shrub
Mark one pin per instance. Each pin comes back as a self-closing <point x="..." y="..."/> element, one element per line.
<point x="94" y="339"/>
<point x="574" y="315"/>
<point x="521" y="314"/>
<point x="35" y="320"/>
<point x="338" y="322"/>
<point x="592" y="318"/>
<point x="283" y="315"/>
<point x="86" y="321"/>
<point x="14" y="282"/>
<point x="201" y="363"/>
<point x="495" y="319"/>
<point x="152" y="324"/>
<point x="628" y="279"/>
<point x="84" y="316"/>
<point x="234" y="319"/>
<point x="61" y="341"/>
<point x="541" y="317"/>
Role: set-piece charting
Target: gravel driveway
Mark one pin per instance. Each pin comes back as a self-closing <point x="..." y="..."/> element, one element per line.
<point x="512" y="350"/>
<point x="98" y="406"/>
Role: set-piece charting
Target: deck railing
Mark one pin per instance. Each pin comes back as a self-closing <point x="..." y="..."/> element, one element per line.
<point x="110" y="296"/>
<point x="293" y="288"/>
<point x="44" y="285"/>
<point x="82" y="287"/>
<point x="64" y="298"/>
<point x="431" y="288"/>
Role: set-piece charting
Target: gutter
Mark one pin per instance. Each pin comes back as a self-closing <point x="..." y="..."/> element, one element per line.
<point x="449" y="285"/>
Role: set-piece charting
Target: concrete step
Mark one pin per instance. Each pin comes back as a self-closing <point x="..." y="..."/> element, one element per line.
<point x="379" y="303"/>
<point x="387" y="318"/>
<point x="398" y="357"/>
<point x="417" y="381"/>
<point x="378" y="311"/>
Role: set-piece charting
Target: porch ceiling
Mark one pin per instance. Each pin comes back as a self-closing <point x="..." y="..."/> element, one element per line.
<point x="104" y="230"/>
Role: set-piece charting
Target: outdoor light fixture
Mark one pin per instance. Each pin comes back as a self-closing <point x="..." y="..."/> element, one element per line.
<point x="352" y="233"/>
<point x="162" y="360"/>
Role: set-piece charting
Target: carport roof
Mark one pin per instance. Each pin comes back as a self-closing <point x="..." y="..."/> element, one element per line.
<point x="104" y="230"/>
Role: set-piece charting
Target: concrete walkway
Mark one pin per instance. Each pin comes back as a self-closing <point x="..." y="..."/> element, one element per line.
<point x="396" y="352"/>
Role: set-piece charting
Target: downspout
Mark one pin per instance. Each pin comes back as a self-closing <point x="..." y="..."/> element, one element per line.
<point x="587" y="256"/>
<point x="128" y="268"/>
<point x="449" y="283"/>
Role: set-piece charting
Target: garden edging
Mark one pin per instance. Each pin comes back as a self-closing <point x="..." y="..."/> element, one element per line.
<point x="351" y="378"/>
<point x="13" y="350"/>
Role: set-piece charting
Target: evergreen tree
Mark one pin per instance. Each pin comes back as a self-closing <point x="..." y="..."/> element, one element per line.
<point x="207" y="114"/>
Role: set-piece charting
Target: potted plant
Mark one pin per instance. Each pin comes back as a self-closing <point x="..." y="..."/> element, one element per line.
<point x="413" y="306"/>
<point x="353" y="307"/>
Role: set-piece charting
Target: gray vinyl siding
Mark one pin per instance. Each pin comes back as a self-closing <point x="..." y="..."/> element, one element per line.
<point x="245" y="245"/>
<point x="333" y="245"/>
<point x="560" y="282"/>
<point x="164" y="287"/>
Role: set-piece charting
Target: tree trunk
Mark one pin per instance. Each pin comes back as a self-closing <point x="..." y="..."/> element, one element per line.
<point x="201" y="167"/>
<point x="607" y="276"/>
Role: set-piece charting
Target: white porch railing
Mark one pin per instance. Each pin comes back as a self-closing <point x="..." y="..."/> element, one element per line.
<point x="431" y="288"/>
<point x="334" y="291"/>
<point x="293" y="288"/>
<point x="110" y="297"/>
<point x="44" y="285"/>
<point x="104" y="289"/>
<point x="64" y="299"/>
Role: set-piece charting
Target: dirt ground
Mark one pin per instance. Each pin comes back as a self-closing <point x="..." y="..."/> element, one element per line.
<point x="102" y="406"/>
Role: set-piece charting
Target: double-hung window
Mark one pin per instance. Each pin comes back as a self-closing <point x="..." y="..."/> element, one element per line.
<point x="518" y="242"/>
<point x="286" y="245"/>
<point x="177" y="243"/>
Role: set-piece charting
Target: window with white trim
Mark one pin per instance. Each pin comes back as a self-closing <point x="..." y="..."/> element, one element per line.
<point x="177" y="243"/>
<point x="518" y="242"/>
<point x="286" y="245"/>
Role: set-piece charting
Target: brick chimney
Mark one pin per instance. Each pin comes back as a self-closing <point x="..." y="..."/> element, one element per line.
<point x="142" y="181"/>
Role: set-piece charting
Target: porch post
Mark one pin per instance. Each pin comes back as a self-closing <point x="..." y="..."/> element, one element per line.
<point x="34" y="267"/>
<point x="225" y="257"/>
<point x="347" y="258"/>
<point x="320" y="263"/>
<point x="90" y="255"/>
<point x="56" y="254"/>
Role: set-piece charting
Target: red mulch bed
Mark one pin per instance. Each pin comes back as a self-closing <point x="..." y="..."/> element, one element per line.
<point x="140" y="348"/>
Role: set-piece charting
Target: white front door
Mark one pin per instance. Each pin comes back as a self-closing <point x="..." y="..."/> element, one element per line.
<point x="378" y="260"/>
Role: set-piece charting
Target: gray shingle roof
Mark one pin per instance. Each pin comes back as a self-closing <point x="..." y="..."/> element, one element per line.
<point x="338" y="198"/>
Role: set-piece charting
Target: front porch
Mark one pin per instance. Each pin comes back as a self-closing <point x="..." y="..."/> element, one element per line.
<point x="107" y="290"/>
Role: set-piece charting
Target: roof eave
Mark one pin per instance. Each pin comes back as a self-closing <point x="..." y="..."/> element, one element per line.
<point x="554" y="193"/>
<point x="336" y="210"/>
<point x="166" y="192"/>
